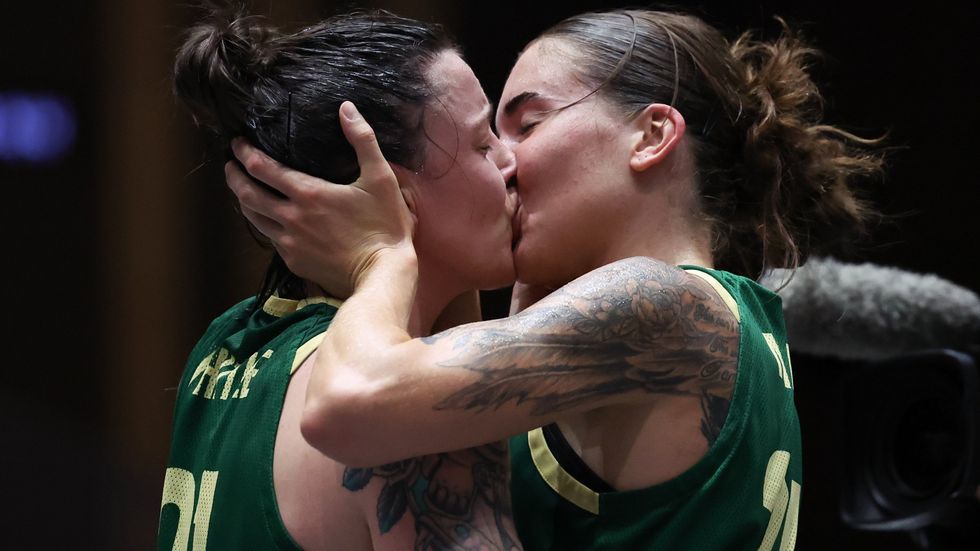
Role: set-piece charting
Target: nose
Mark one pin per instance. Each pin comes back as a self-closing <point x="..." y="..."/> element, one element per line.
<point x="506" y="161"/>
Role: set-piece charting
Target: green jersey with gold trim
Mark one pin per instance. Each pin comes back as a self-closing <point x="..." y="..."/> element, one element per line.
<point x="218" y="491"/>
<point x="743" y="494"/>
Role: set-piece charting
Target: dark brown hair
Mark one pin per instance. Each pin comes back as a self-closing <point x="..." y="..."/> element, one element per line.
<point x="241" y="77"/>
<point x="776" y="184"/>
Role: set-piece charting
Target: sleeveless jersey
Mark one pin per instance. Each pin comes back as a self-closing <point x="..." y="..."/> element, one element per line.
<point x="743" y="494"/>
<point x="218" y="491"/>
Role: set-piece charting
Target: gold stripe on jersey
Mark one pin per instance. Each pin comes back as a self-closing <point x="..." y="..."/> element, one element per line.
<point x="558" y="478"/>
<point x="336" y="303"/>
<point x="722" y="292"/>
<point x="304" y="351"/>
<point x="279" y="307"/>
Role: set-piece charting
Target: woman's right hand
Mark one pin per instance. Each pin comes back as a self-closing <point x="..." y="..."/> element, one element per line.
<point x="327" y="233"/>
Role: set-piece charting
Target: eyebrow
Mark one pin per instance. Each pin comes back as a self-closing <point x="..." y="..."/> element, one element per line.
<point x="485" y="117"/>
<point x="517" y="101"/>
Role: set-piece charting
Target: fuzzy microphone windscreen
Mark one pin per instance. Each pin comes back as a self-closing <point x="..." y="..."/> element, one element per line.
<point x="871" y="312"/>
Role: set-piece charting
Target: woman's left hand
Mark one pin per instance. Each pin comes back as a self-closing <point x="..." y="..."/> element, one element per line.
<point x="327" y="233"/>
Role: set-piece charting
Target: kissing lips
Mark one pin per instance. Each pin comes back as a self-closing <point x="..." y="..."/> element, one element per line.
<point x="515" y="227"/>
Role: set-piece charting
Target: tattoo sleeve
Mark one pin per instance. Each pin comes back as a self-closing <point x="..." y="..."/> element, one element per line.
<point x="635" y="326"/>
<point x="458" y="500"/>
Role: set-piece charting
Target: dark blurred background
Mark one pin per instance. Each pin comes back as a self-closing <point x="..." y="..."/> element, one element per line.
<point x="125" y="243"/>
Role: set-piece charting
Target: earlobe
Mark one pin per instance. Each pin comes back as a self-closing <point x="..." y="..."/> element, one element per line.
<point x="660" y="129"/>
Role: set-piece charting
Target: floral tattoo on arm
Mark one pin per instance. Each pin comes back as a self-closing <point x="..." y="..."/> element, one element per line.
<point x="634" y="326"/>
<point x="458" y="500"/>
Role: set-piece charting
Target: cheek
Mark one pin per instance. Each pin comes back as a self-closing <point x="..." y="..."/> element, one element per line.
<point x="462" y="205"/>
<point x="532" y="167"/>
<point x="571" y="159"/>
<point x="434" y="235"/>
<point x="436" y="208"/>
<point x="490" y="192"/>
<point x="549" y="154"/>
<point x="546" y="169"/>
<point x="479" y="191"/>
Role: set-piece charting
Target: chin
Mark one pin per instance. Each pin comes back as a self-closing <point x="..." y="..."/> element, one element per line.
<point x="503" y="277"/>
<point x="531" y="272"/>
<point x="491" y="272"/>
<point x="545" y="270"/>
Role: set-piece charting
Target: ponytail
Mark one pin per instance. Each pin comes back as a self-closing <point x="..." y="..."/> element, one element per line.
<point x="774" y="182"/>
<point x="218" y="65"/>
<point x="796" y="194"/>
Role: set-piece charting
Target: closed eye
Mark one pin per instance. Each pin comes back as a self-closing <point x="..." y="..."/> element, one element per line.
<point x="524" y="129"/>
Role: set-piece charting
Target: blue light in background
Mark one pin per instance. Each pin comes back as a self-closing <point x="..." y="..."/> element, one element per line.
<point x="36" y="127"/>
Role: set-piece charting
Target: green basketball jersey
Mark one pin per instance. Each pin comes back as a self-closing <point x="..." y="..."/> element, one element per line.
<point x="743" y="494"/>
<point x="218" y="491"/>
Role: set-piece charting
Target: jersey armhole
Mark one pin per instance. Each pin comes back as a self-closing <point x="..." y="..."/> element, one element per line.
<point x="726" y="297"/>
<point x="305" y="350"/>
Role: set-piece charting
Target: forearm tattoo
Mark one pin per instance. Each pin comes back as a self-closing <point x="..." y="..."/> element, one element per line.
<point x="634" y="326"/>
<point x="458" y="500"/>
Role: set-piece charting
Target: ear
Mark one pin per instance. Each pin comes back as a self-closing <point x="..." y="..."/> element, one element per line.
<point x="660" y="128"/>
<point x="408" y="181"/>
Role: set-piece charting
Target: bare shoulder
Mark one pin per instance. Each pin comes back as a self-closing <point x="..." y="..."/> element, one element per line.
<point x="641" y="298"/>
<point x="677" y="334"/>
<point x="630" y="330"/>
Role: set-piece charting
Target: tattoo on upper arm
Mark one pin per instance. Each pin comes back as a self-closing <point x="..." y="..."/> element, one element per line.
<point x="634" y="326"/>
<point x="458" y="500"/>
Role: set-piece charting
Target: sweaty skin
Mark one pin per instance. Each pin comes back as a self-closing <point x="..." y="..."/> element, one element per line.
<point x="633" y="356"/>
<point x="638" y="339"/>
<point x="453" y="499"/>
<point x="457" y="500"/>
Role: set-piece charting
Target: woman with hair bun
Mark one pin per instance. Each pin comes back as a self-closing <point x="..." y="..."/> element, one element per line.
<point x="240" y="473"/>
<point x="661" y="169"/>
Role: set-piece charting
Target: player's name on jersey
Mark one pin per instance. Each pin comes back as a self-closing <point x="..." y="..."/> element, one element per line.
<point x="221" y="369"/>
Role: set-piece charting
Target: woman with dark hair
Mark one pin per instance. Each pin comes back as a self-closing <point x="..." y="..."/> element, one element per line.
<point x="661" y="169"/>
<point x="240" y="474"/>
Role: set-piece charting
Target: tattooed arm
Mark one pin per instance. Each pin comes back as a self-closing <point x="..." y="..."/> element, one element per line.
<point x="630" y="331"/>
<point x="457" y="500"/>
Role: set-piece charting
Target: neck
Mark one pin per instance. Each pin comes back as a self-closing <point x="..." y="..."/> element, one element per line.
<point x="434" y="292"/>
<point x="674" y="250"/>
<point x="669" y="239"/>
<point x="663" y="226"/>
<point x="432" y="295"/>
